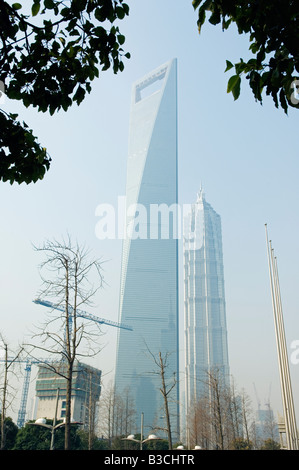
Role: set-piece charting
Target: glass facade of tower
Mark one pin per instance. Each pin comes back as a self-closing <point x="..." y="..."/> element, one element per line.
<point x="149" y="276"/>
<point x="206" y="347"/>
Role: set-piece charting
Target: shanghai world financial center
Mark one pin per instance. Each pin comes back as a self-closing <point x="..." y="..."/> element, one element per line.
<point x="149" y="286"/>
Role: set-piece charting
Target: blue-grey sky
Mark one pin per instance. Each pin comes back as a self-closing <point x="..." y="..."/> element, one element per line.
<point x="245" y="155"/>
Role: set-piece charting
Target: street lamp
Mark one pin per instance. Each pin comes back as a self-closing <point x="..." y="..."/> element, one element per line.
<point x="181" y="447"/>
<point x="54" y="426"/>
<point x="151" y="437"/>
<point x="141" y="441"/>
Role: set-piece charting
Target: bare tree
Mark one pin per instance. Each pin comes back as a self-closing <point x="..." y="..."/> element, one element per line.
<point x="270" y="428"/>
<point x="220" y="409"/>
<point x="106" y="413"/>
<point x="68" y="268"/>
<point x="221" y="417"/>
<point x="247" y="417"/>
<point x="124" y="413"/>
<point x="117" y="413"/>
<point x="9" y="362"/>
<point x="234" y="419"/>
<point x="166" y="388"/>
<point x="199" y="424"/>
<point x="217" y="409"/>
<point x="90" y="405"/>
<point x="129" y="412"/>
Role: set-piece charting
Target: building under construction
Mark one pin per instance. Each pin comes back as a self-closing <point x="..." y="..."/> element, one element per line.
<point x="51" y="392"/>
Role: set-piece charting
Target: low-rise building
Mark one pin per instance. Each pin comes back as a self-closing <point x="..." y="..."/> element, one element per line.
<point x="51" y="391"/>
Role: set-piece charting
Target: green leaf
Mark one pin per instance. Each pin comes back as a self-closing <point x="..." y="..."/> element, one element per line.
<point x="196" y="3"/>
<point x="126" y="8"/>
<point x="201" y="18"/>
<point x="121" y="39"/>
<point x="49" y="4"/>
<point x="237" y="88"/>
<point x="35" y="9"/>
<point x="234" y="86"/>
<point x="16" y="6"/>
<point x="229" y="66"/>
<point x="100" y="14"/>
<point x="283" y="101"/>
<point x="79" y="95"/>
<point x="120" y="13"/>
<point x="232" y="82"/>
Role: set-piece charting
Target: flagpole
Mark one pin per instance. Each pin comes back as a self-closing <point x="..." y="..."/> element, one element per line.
<point x="284" y="372"/>
<point x="289" y="393"/>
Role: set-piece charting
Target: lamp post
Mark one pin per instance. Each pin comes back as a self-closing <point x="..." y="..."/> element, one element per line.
<point x="54" y="426"/>
<point x="141" y="441"/>
<point x="54" y="422"/>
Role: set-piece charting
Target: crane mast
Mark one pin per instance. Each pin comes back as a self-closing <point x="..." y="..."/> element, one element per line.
<point x="24" y="397"/>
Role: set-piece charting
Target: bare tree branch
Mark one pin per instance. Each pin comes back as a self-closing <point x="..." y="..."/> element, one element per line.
<point x="66" y="277"/>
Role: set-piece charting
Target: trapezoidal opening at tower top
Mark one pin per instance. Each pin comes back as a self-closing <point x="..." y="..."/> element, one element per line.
<point x="150" y="85"/>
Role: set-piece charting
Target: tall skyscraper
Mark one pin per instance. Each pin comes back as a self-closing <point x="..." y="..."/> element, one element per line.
<point x="206" y="347"/>
<point x="149" y="275"/>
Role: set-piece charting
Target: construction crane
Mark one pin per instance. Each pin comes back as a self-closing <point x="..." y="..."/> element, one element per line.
<point x="29" y="362"/>
<point x="82" y="314"/>
<point x="24" y="397"/>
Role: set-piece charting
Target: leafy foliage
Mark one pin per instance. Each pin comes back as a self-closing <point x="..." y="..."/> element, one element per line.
<point x="21" y="157"/>
<point x="10" y="431"/>
<point x="48" y="58"/>
<point x="273" y="29"/>
<point x="33" y="437"/>
<point x="270" y="444"/>
<point x="241" y="444"/>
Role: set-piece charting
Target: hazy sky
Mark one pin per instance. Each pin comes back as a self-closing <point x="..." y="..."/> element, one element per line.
<point x="244" y="154"/>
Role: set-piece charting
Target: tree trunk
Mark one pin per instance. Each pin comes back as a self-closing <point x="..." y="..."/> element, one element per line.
<point x="4" y="399"/>
<point x="67" y="441"/>
<point x="164" y="393"/>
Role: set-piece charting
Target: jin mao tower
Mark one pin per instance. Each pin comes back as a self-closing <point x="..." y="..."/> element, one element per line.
<point x="206" y="349"/>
